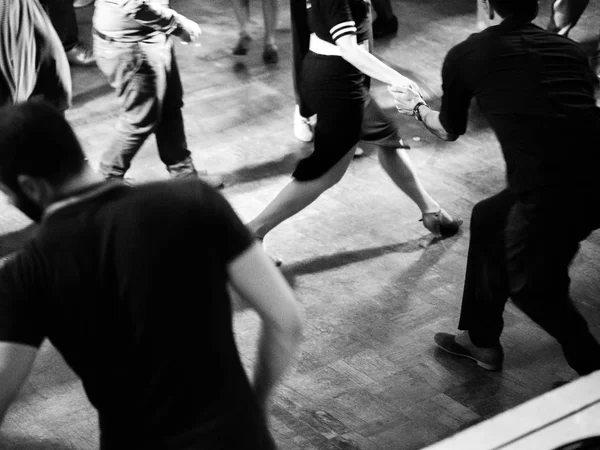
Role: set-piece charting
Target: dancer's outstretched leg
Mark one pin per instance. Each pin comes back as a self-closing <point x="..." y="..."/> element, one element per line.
<point x="399" y="168"/>
<point x="296" y="196"/>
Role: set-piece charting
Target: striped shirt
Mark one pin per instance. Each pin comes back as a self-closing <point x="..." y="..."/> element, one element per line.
<point x="332" y="19"/>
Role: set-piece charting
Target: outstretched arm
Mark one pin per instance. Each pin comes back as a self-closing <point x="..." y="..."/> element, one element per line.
<point x="408" y="101"/>
<point x="15" y="364"/>
<point x="369" y="64"/>
<point x="160" y="18"/>
<point x="256" y="279"/>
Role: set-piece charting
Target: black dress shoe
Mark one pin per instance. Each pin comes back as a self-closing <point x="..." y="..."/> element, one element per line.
<point x="385" y="27"/>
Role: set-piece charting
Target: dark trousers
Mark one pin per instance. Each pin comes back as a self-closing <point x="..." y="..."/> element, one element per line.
<point x="62" y="16"/>
<point x="522" y="248"/>
<point x="146" y="79"/>
<point x="300" y="43"/>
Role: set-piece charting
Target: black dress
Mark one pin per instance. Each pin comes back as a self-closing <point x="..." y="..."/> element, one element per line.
<point x="338" y="92"/>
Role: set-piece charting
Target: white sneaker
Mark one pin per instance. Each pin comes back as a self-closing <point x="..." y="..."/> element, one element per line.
<point x="303" y="126"/>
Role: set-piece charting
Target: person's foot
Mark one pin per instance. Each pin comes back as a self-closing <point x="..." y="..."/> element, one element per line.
<point x="186" y="170"/>
<point x="385" y="27"/>
<point x="303" y="128"/>
<point x="270" y="54"/>
<point x="243" y="45"/>
<point x="81" y="55"/>
<point x="441" y="224"/>
<point x="461" y="345"/>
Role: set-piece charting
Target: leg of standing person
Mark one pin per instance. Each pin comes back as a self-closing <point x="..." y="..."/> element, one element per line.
<point x="138" y="87"/>
<point x="304" y="119"/>
<point x="242" y="13"/>
<point x="271" y="17"/>
<point x="386" y="23"/>
<point x="63" y="17"/>
<point x="170" y="132"/>
<point x="565" y="14"/>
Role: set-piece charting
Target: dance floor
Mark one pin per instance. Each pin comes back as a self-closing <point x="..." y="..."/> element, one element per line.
<point x="373" y="285"/>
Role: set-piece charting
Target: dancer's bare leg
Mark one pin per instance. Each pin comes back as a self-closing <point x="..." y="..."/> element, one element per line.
<point x="296" y="196"/>
<point x="399" y="168"/>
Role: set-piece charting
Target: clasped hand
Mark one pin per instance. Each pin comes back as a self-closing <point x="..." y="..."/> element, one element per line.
<point x="187" y="30"/>
<point x="405" y="97"/>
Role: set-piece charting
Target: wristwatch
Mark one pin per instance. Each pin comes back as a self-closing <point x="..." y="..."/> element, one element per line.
<point x="416" y="112"/>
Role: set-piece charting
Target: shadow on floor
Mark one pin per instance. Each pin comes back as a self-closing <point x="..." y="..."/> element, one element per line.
<point x="30" y="443"/>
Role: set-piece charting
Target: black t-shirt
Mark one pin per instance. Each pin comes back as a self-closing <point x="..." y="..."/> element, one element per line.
<point x="129" y="284"/>
<point x="332" y="19"/>
<point x="536" y="89"/>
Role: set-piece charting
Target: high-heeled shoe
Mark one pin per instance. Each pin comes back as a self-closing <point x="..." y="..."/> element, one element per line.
<point x="441" y="224"/>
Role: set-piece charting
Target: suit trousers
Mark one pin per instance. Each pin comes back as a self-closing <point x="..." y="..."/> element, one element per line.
<point x="521" y="247"/>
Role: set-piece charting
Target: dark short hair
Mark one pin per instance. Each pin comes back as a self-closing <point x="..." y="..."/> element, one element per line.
<point x="525" y="10"/>
<point x="36" y="140"/>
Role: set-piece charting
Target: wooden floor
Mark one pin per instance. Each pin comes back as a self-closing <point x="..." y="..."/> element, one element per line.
<point x="373" y="289"/>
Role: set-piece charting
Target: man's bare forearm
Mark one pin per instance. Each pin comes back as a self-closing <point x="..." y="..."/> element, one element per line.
<point x="431" y="120"/>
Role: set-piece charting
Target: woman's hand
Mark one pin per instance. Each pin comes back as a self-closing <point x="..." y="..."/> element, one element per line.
<point x="406" y="97"/>
<point x="404" y="82"/>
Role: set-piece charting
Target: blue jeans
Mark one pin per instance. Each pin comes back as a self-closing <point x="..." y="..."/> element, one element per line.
<point x="146" y="79"/>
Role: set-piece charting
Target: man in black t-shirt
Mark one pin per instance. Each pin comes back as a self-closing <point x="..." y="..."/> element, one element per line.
<point x="130" y="285"/>
<point x="536" y="89"/>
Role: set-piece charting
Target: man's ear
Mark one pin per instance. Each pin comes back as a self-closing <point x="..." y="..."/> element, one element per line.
<point x="36" y="189"/>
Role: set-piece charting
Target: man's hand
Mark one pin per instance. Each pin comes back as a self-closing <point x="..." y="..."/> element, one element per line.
<point x="187" y="30"/>
<point x="405" y="98"/>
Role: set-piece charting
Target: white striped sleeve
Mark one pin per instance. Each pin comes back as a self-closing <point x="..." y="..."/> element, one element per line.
<point x="343" y="29"/>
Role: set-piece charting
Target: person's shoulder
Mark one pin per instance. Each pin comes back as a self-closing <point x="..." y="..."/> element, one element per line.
<point x="20" y="265"/>
<point x="472" y="43"/>
<point x="175" y="194"/>
<point x="464" y="52"/>
<point x="184" y="187"/>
